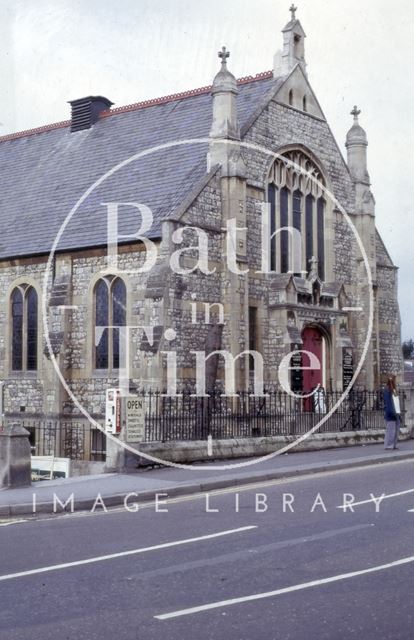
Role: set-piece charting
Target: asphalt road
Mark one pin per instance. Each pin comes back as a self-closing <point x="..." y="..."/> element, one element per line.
<point x="239" y="573"/>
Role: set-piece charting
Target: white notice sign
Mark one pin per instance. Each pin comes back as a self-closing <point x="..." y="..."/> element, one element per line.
<point x="135" y="418"/>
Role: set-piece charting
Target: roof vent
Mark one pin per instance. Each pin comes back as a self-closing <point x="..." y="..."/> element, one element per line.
<point x="86" y="111"/>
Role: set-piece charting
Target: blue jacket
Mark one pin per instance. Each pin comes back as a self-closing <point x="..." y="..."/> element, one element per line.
<point x="389" y="410"/>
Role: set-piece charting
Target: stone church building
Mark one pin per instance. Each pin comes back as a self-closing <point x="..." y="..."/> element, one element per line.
<point x="259" y="236"/>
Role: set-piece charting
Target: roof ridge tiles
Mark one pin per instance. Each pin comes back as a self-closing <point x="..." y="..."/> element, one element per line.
<point x="31" y="132"/>
<point x="178" y="96"/>
<point x="133" y="107"/>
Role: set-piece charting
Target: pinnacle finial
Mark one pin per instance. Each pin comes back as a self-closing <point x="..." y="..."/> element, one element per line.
<point x="293" y="10"/>
<point x="313" y="263"/>
<point x="355" y="112"/>
<point x="224" y="54"/>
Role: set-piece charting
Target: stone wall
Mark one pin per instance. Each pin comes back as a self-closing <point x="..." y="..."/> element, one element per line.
<point x="279" y="127"/>
<point x="24" y="391"/>
<point x="389" y="320"/>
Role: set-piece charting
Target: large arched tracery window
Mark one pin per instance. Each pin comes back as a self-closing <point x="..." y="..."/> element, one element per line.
<point x="297" y="204"/>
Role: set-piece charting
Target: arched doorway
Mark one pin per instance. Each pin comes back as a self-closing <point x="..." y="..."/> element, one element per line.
<point x="315" y="342"/>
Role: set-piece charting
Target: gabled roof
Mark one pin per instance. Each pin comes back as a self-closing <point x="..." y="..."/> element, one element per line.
<point x="294" y="25"/>
<point x="44" y="172"/>
<point x="331" y="289"/>
<point x="302" y="285"/>
<point x="280" y="281"/>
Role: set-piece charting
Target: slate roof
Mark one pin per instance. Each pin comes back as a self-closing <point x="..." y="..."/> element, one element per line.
<point x="331" y="289"/>
<point x="293" y="24"/>
<point x="302" y="285"/>
<point x="279" y="281"/>
<point x="42" y="175"/>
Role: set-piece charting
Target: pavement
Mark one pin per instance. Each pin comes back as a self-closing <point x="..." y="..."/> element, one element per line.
<point x="112" y="488"/>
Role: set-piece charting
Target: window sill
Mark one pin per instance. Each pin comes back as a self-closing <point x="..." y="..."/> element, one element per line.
<point x="105" y="373"/>
<point x="32" y="375"/>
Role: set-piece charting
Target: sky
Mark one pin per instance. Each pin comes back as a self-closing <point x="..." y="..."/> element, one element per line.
<point x="52" y="51"/>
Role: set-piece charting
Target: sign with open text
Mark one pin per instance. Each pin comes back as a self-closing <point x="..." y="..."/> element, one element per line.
<point x="135" y="411"/>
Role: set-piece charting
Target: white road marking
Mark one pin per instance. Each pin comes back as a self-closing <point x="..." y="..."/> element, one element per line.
<point x="384" y="497"/>
<point x="122" y="554"/>
<point x="277" y="592"/>
<point x="7" y="524"/>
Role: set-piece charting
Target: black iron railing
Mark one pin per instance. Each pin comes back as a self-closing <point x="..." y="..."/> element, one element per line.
<point x="187" y="417"/>
<point x="64" y="438"/>
<point x="277" y="413"/>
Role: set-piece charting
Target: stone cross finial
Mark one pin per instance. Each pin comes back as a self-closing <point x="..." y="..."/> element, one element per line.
<point x="224" y="54"/>
<point x="355" y="112"/>
<point x="293" y="10"/>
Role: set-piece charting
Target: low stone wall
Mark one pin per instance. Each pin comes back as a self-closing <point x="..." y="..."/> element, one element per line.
<point x="88" y="467"/>
<point x="194" y="451"/>
<point x="186" y="452"/>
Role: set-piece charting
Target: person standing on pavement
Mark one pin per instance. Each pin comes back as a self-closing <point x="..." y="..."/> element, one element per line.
<point x="392" y="414"/>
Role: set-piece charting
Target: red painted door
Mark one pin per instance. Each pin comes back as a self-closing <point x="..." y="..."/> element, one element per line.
<point x="312" y="342"/>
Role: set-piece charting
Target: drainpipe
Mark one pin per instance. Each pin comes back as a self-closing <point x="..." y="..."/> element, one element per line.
<point x="2" y="384"/>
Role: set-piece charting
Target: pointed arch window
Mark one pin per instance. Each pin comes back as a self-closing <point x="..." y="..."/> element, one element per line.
<point x="304" y="103"/>
<point x="297" y="209"/>
<point x="272" y="202"/>
<point x="320" y="237"/>
<point x="295" y="195"/>
<point x="309" y="216"/>
<point x="110" y="314"/>
<point x="284" y="235"/>
<point x="24" y="325"/>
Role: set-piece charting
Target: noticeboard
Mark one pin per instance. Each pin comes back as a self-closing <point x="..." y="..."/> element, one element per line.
<point x="296" y="382"/>
<point x="347" y="368"/>
<point x="135" y="410"/>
